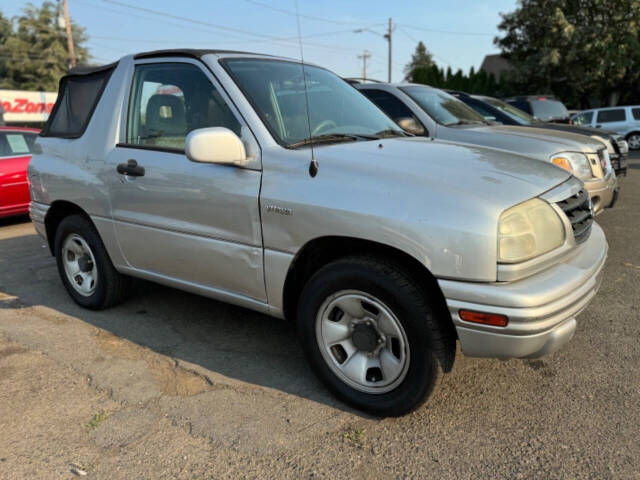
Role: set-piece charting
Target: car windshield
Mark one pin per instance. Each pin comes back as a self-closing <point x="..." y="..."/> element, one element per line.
<point x="523" y="118"/>
<point x="549" y="109"/>
<point x="442" y="107"/>
<point x="336" y="111"/>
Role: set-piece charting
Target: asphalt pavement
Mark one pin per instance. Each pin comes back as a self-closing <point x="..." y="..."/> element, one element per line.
<point x="172" y="385"/>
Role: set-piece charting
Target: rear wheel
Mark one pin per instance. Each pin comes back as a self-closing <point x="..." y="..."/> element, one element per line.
<point x="633" y="139"/>
<point x="369" y="333"/>
<point x="85" y="267"/>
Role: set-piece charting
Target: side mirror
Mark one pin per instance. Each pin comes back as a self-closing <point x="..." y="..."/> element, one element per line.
<point x="410" y="125"/>
<point x="215" y="145"/>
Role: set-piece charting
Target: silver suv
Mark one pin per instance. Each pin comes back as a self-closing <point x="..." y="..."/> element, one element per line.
<point x="624" y="120"/>
<point x="428" y="111"/>
<point x="200" y="170"/>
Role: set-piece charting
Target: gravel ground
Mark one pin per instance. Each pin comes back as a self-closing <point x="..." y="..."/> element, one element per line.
<point x="171" y="385"/>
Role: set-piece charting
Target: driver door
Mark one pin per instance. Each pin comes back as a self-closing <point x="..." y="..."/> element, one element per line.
<point x="194" y="224"/>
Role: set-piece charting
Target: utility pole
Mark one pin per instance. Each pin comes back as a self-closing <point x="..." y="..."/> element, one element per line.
<point x="388" y="37"/>
<point x="365" y="56"/>
<point x="67" y="24"/>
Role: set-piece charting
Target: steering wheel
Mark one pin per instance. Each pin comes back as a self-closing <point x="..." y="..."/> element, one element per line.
<point x="324" y="125"/>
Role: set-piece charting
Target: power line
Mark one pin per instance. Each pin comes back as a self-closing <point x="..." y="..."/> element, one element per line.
<point x="448" y="32"/>
<point x="410" y="37"/>
<point x="271" y="38"/>
<point x="309" y="17"/>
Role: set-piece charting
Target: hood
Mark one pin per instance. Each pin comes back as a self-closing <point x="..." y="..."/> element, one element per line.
<point x="466" y="172"/>
<point x="529" y="141"/>
<point x="578" y="142"/>
<point x="589" y="131"/>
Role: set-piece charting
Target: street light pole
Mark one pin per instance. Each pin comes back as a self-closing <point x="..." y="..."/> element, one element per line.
<point x="388" y="37"/>
<point x="67" y="23"/>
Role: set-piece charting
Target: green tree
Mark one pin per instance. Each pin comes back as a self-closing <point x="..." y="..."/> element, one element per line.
<point x="34" y="49"/>
<point x="421" y="59"/>
<point x="585" y="51"/>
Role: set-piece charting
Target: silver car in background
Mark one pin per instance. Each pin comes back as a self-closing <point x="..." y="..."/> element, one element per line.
<point x="624" y="120"/>
<point x="427" y="111"/>
<point x="255" y="181"/>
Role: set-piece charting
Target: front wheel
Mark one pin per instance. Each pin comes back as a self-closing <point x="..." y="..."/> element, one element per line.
<point x="369" y="333"/>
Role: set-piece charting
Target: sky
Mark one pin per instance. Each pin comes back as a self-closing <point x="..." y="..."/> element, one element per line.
<point x="459" y="33"/>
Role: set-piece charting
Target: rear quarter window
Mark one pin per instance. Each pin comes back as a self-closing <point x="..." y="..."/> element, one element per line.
<point x="78" y="96"/>
<point x="608" y="116"/>
<point x="636" y="113"/>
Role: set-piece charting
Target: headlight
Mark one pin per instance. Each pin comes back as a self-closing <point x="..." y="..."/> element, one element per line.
<point x="623" y="146"/>
<point x="528" y="230"/>
<point x="576" y="163"/>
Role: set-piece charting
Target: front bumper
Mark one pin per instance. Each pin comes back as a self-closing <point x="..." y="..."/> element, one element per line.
<point x="603" y="192"/>
<point x="541" y="309"/>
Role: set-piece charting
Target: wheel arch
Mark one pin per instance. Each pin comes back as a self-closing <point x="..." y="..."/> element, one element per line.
<point x="58" y="211"/>
<point x="320" y="251"/>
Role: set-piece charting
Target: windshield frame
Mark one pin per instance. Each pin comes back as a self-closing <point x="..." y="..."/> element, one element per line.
<point x="258" y="111"/>
<point x="406" y="89"/>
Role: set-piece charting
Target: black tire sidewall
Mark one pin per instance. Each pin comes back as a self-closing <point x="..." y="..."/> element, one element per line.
<point x="78" y="224"/>
<point x="401" y="299"/>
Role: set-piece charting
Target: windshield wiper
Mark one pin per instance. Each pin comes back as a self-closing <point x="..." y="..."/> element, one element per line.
<point x="390" y="132"/>
<point x="331" y="138"/>
<point x="467" y="122"/>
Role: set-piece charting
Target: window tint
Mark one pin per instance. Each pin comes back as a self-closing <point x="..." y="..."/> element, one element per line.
<point x="549" y="109"/>
<point x="617" y="115"/>
<point x="16" y="143"/>
<point x="636" y="113"/>
<point x="442" y="107"/>
<point x="390" y="104"/>
<point x="517" y="114"/>
<point x="584" y="118"/>
<point x="522" y="105"/>
<point x="78" y="96"/>
<point x="169" y="100"/>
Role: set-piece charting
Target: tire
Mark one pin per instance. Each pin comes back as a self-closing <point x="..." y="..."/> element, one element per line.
<point x="97" y="285"/>
<point x="392" y="291"/>
<point x="633" y="139"/>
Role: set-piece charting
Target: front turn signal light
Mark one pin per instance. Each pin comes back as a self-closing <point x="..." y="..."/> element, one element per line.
<point x="483" y="318"/>
<point x="562" y="163"/>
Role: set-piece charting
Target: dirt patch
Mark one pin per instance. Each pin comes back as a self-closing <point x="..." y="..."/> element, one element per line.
<point x="169" y="376"/>
<point x="13" y="350"/>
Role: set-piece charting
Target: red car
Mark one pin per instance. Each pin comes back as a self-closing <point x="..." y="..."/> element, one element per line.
<point x="16" y="145"/>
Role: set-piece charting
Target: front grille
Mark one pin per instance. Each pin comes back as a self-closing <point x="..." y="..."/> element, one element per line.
<point x="577" y="208"/>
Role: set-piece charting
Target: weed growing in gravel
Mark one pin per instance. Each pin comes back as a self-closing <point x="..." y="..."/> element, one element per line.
<point x="97" y="419"/>
<point x="356" y="437"/>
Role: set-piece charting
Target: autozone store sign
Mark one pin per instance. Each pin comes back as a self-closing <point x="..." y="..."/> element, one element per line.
<point x="26" y="106"/>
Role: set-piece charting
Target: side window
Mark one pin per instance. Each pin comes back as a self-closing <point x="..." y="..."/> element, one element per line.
<point x="393" y="107"/>
<point x="16" y="143"/>
<point x="636" y="113"/>
<point x="522" y="105"/>
<point x="583" y="118"/>
<point x="169" y="100"/>
<point x="616" y="115"/>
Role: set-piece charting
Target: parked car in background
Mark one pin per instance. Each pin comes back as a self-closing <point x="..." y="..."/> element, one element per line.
<point x="624" y="120"/>
<point x="16" y="146"/>
<point x="253" y="180"/>
<point x="496" y="110"/>
<point x="545" y="108"/>
<point x="428" y="111"/>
